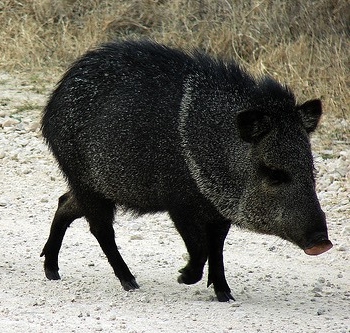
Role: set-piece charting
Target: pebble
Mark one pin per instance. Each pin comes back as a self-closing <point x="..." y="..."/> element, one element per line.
<point x="321" y="280"/>
<point x="14" y="157"/>
<point x="320" y="312"/>
<point x="112" y="317"/>
<point x="136" y="237"/>
<point x="3" y="203"/>
<point x="317" y="290"/>
<point x="9" y="122"/>
<point x="342" y="247"/>
<point x="235" y="304"/>
<point x="33" y="126"/>
<point x="345" y="231"/>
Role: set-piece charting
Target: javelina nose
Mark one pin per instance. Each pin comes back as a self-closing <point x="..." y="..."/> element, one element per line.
<point x="318" y="244"/>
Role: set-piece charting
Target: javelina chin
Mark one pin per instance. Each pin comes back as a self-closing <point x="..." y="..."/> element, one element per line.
<point x="315" y="244"/>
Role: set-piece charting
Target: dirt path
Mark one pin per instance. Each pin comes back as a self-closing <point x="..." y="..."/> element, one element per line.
<point x="277" y="287"/>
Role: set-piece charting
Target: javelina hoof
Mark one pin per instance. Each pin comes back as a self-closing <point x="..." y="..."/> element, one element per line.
<point x="130" y="285"/>
<point x="52" y="274"/>
<point x="224" y="296"/>
<point x="189" y="276"/>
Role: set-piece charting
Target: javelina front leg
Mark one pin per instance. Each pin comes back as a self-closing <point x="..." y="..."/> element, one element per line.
<point x="194" y="235"/>
<point x="217" y="233"/>
<point x="101" y="226"/>
<point x="68" y="210"/>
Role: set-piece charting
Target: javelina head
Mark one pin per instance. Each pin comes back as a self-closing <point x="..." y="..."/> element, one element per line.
<point x="279" y="195"/>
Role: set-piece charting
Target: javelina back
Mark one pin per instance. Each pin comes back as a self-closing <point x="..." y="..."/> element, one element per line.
<point x="150" y="128"/>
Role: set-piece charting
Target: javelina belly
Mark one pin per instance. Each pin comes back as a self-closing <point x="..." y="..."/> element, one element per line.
<point x="150" y="128"/>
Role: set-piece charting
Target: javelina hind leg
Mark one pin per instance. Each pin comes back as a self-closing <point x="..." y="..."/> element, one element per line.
<point x="217" y="233"/>
<point x="193" y="233"/>
<point x="68" y="210"/>
<point x="100" y="218"/>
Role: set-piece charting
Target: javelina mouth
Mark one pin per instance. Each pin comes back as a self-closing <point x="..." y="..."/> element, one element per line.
<point x="319" y="246"/>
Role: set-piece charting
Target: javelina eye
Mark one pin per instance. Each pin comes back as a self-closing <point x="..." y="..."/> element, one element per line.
<point x="274" y="176"/>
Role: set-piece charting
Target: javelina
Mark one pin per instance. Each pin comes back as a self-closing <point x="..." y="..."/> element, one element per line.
<point x="143" y="126"/>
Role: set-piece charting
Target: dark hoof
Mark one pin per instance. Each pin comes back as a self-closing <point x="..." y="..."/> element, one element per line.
<point x="130" y="285"/>
<point x="52" y="274"/>
<point x="180" y="280"/>
<point x="209" y="282"/>
<point x="188" y="276"/>
<point x="224" y="296"/>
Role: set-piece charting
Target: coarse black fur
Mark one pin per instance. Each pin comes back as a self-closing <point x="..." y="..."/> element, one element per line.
<point x="150" y="128"/>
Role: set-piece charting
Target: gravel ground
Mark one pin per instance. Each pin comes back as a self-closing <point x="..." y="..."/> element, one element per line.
<point x="277" y="287"/>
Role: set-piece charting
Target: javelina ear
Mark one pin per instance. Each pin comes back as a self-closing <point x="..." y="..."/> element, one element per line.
<point x="252" y="125"/>
<point x="310" y="113"/>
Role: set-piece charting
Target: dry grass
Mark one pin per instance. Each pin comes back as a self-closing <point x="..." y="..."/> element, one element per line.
<point x="304" y="43"/>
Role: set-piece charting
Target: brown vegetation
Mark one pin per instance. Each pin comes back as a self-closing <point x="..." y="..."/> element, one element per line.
<point x="304" y="43"/>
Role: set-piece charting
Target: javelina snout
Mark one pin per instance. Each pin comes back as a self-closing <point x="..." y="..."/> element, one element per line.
<point x="154" y="129"/>
<point x="317" y="241"/>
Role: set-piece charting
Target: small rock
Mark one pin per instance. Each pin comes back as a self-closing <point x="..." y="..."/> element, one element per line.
<point x="320" y="312"/>
<point x="9" y="122"/>
<point x="342" y="247"/>
<point x="346" y="231"/>
<point x="2" y="154"/>
<point x="135" y="226"/>
<point x="33" y="127"/>
<point x="235" y="304"/>
<point x="112" y="317"/>
<point x="321" y="280"/>
<point x="136" y="237"/>
<point x="14" y="157"/>
<point x="24" y="143"/>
